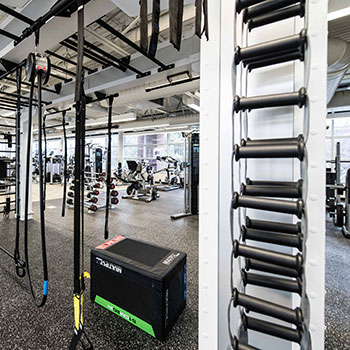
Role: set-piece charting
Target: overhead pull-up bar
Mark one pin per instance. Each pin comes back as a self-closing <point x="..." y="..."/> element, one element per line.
<point x="15" y="14"/>
<point x="133" y="45"/>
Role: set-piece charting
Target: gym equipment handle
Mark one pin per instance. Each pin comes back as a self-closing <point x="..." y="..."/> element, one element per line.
<point x="283" y="57"/>
<point x="267" y="7"/>
<point x="252" y="264"/>
<point x="266" y="101"/>
<point x="274" y="47"/>
<point x="296" y="150"/>
<point x="273" y="329"/>
<point x="283" y="239"/>
<point x="287" y="285"/>
<point x="236" y="345"/>
<point x="267" y="308"/>
<point x="284" y="13"/>
<point x="293" y="229"/>
<point x="268" y="204"/>
<point x="286" y="191"/>
<point x="269" y="256"/>
<point x="290" y="140"/>
<point x="242" y="4"/>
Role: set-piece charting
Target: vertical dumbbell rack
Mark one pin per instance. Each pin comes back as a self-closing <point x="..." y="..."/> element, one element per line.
<point x="270" y="268"/>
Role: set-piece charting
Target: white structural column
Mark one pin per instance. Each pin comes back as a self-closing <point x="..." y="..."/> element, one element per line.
<point x="316" y="153"/>
<point x="23" y="157"/>
<point x="120" y="147"/>
<point x="215" y="180"/>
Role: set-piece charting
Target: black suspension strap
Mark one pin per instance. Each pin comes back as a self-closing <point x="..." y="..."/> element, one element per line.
<point x="155" y="28"/>
<point x="109" y="159"/>
<point x="36" y="66"/>
<point x="45" y="157"/>
<point x="65" y="160"/>
<point x="20" y="265"/>
<point x="201" y="8"/>
<point x="198" y="24"/>
<point x="80" y="105"/>
<point x="143" y="25"/>
<point x="176" y="9"/>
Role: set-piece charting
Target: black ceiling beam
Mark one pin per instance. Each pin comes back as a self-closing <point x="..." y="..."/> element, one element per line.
<point x="12" y="101"/>
<point x="132" y="44"/>
<point x="36" y="86"/>
<point x="15" y="14"/>
<point x="58" y="8"/>
<point x="54" y="54"/>
<point x="63" y="70"/>
<point x="8" y="34"/>
<point x="57" y="112"/>
<point x="97" y="56"/>
<point x="23" y="97"/>
<point x="72" y="47"/>
<point x="111" y="57"/>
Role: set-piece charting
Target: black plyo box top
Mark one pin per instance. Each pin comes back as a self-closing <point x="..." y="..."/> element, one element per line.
<point x="149" y="259"/>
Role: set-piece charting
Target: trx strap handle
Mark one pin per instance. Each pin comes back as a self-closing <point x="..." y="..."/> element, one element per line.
<point x="143" y="25"/>
<point x="20" y="265"/>
<point x="155" y="28"/>
<point x="176" y="8"/>
<point x="80" y="105"/>
<point x="36" y="66"/>
<point x="64" y="163"/>
<point x="109" y="159"/>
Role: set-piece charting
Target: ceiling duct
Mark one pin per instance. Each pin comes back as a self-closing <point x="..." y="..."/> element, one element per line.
<point x="338" y="64"/>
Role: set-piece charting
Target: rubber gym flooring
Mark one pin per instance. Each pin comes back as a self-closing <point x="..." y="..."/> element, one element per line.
<point x="23" y="326"/>
<point x="337" y="289"/>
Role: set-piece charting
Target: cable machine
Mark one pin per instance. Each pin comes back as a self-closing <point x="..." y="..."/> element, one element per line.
<point x="191" y="175"/>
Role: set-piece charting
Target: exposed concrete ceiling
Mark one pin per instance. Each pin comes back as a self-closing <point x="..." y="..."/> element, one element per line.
<point x="106" y="78"/>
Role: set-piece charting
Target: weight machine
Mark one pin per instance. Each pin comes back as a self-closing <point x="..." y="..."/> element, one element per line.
<point x="191" y="175"/>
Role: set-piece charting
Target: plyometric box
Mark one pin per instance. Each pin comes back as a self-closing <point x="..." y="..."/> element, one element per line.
<point x="142" y="283"/>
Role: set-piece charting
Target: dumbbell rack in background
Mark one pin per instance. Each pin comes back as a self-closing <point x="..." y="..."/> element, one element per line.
<point x="95" y="195"/>
<point x="271" y="253"/>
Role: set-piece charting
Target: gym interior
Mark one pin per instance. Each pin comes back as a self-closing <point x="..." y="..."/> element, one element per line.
<point x="174" y="174"/>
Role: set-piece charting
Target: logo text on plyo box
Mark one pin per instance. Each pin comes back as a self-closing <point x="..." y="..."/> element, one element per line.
<point x="170" y="258"/>
<point x="109" y="265"/>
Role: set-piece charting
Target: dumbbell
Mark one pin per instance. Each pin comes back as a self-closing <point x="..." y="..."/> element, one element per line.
<point x="97" y="185"/>
<point x="70" y="201"/>
<point x="93" y="200"/>
<point x="93" y="193"/>
<point x="103" y="173"/>
<point x="70" y="194"/>
<point x="93" y="208"/>
<point x="72" y="188"/>
<point x="114" y="193"/>
<point x="112" y="186"/>
<point x="114" y="200"/>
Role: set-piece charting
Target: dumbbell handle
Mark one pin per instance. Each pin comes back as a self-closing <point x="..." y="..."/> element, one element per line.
<point x="253" y="264"/>
<point x="269" y="256"/>
<point x="253" y="304"/>
<point x="268" y="204"/>
<point x="276" y="330"/>
<point x="274" y="226"/>
<point x="288" y="285"/>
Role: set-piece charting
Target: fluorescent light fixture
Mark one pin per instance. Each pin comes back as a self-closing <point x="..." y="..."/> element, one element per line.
<point x="338" y="14"/>
<point x="127" y="117"/>
<point x="145" y="127"/>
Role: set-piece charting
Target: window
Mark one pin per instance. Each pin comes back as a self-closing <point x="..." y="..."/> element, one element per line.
<point x="149" y="146"/>
<point x="338" y="131"/>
